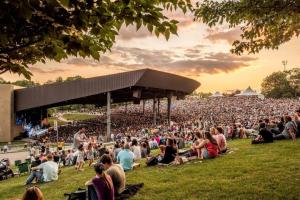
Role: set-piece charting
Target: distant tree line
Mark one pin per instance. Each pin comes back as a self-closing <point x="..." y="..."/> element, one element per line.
<point x="282" y="84"/>
<point x="30" y="83"/>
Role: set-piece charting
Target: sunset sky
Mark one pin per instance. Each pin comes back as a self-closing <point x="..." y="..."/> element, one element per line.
<point x="198" y="52"/>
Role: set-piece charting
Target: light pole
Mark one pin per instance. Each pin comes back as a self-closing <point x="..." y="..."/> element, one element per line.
<point x="284" y="63"/>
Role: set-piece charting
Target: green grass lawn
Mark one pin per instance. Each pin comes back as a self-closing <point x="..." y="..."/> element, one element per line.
<point x="13" y="143"/>
<point x="51" y="121"/>
<point x="270" y="171"/>
<point x="78" y="117"/>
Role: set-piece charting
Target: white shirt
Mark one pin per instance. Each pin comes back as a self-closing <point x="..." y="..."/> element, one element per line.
<point x="137" y="152"/>
<point x="50" y="171"/>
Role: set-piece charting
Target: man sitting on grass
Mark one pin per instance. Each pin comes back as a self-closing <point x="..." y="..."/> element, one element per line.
<point x="264" y="135"/>
<point x="126" y="158"/>
<point x="116" y="172"/>
<point x="45" y="172"/>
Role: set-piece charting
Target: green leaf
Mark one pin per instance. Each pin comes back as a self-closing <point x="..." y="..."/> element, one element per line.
<point x="64" y="3"/>
<point x="167" y="34"/>
<point x="138" y="24"/>
<point x="156" y="32"/>
<point x="150" y="28"/>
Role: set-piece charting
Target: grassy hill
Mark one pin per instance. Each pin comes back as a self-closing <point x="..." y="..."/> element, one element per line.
<point x="270" y="171"/>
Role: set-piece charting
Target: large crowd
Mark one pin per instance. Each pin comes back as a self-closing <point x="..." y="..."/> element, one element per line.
<point x="237" y="116"/>
<point x="199" y="129"/>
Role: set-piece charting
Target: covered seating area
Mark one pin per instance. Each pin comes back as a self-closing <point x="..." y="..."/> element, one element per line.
<point x="134" y="86"/>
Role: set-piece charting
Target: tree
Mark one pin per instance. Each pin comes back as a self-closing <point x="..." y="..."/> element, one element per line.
<point x="277" y="85"/>
<point x="59" y="79"/>
<point x="293" y="76"/>
<point x="49" y="82"/>
<point x="32" y="31"/>
<point x="72" y="78"/>
<point x="264" y="24"/>
<point x="25" y="83"/>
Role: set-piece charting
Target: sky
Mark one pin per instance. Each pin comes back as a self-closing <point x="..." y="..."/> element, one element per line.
<point x="198" y="52"/>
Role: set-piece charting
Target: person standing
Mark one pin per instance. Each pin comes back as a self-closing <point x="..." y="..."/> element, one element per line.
<point x="79" y="138"/>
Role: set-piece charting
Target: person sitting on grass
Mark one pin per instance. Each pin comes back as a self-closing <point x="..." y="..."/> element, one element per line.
<point x="170" y="152"/>
<point x="136" y="149"/>
<point x="196" y="150"/>
<point x="80" y="158"/>
<point x="33" y="193"/>
<point x="116" y="172"/>
<point x="209" y="147"/>
<point x="45" y="172"/>
<point x="290" y="130"/>
<point x="69" y="157"/>
<point x="126" y="158"/>
<point x="101" y="186"/>
<point x="221" y="140"/>
<point x="264" y="135"/>
<point x="116" y="150"/>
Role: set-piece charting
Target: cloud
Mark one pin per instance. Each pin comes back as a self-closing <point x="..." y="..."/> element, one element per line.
<point x="130" y="32"/>
<point x="88" y="61"/>
<point x="228" y="36"/>
<point x="191" y="61"/>
<point x="42" y="70"/>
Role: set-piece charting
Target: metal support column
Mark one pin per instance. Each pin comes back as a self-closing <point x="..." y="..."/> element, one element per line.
<point x="108" y="116"/>
<point x="144" y="102"/>
<point x="169" y="109"/>
<point x="154" y="111"/>
<point x="158" y="106"/>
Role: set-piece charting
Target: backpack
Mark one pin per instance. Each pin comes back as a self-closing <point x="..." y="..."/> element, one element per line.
<point x="152" y="161"/>
<point x="80" y="194"/>
<point x="297" y="128"/>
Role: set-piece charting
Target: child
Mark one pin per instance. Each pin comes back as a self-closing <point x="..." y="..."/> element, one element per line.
<point x="80" y="158"/>
<point x="90" y="154"/>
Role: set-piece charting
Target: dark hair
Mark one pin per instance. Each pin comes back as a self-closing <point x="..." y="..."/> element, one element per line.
<point x="33" y="193"/>
<point x="170" y="142"/>
<point x="220" y="129"/>
<point x="198" y="135"/>
<point x="117" y="145"/>
<point x="262" y="125"/>
<point x="134" y="142"/>
<point x="80" y="147"/>
<point x="267" y="121"/>
<point x="99" y="168"/>
<point x="288" y="118"/>
<point x="210" y="137"/>
<point x="106" y="159"/>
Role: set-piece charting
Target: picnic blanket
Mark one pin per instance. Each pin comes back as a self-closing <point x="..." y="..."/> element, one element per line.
<point x="129" y="191"/>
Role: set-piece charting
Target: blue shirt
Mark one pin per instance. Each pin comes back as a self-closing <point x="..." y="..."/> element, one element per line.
<point x="125" y="158"/>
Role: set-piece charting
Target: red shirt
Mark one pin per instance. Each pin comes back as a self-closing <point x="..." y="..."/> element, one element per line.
<point x="212" y="149"/>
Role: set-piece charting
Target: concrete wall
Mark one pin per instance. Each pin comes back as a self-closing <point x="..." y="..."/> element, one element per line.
<point x="6" y="112"/>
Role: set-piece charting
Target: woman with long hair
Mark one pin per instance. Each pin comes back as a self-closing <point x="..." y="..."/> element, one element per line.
<point x="33" y="193"/>
<point x="209" y="146"/>
<point x="101" y="184"/>
<point x="170" y="152"/>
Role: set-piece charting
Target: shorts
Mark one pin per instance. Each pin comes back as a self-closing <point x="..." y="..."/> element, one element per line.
<point x="206" y="154"/>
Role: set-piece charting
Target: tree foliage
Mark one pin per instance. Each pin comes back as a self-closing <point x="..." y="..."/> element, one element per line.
<point x="21" y="83"/>
<point x="282" y="84"/>
<point x="32" y="31"/>
<point x="264" y="24"/>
